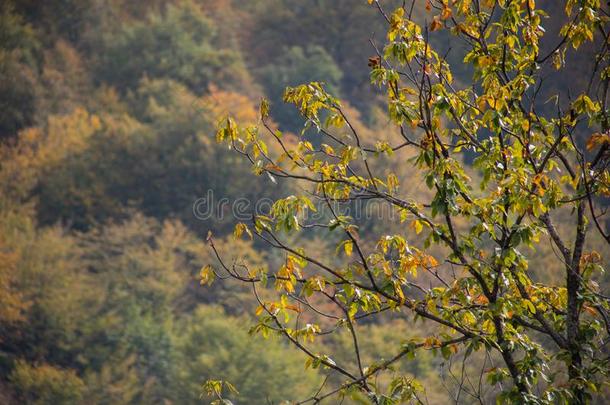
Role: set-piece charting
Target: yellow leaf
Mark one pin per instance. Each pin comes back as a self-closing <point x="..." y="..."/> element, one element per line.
<point x="485" y="61"/>
<point x="530" y="306"/>
<point x="465" y="6"/>
<point x="525" y="125"/>
<point x="557" y="60"/>
<point x="431" y="307"/>
<point x="348" y="247"/>
<point x="206" y="275"/>
<point x="328" y="149"/>
<point x="398" y="291"/>
<point x="417" y="226"/>
<point x="259" y="310"/>
<point x="488" y="326"/>
<point x="431" y="341"/>
<point x="392" y="182"/>
<point x="264" y="108"/>
<point x="240" y="228"/>
<point x="482" y="103"/>
<point x="95" y="122"/>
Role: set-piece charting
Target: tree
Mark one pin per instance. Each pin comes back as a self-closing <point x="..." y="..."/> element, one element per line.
<point x="211" y="345"/>
<point x="531" y="180"/>
<point x="341" y="27"/>
<point x="176" y="44"/>
<point x="18" y="64"/>
<point x="45" y="384"/>
<point x="158" y="159"/>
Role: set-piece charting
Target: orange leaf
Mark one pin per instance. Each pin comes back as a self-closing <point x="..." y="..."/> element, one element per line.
<point x="436" y="24"/>
<point x="596" y="140"/>
<point x="481" y="300"/>
<point x="446" y="13"/>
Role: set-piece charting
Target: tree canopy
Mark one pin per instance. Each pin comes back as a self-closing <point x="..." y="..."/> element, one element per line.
<point x="469" y="277"/>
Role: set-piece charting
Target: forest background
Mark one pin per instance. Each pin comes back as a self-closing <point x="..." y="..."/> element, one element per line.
<point x="110" y="179"/>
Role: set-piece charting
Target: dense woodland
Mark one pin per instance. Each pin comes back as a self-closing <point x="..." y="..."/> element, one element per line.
<point x="109" y="113"/>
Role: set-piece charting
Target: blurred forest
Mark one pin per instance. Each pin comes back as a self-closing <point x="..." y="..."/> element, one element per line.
<point x="107" y="122"/>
